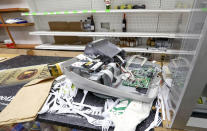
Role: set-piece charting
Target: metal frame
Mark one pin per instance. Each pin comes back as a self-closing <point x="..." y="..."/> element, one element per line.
<point x="116" y="34"/>
<point x="112" y="11"/>
<point x="194" y="84"/>
<point x="127" y="49"/>
<point x="158" y="8"/>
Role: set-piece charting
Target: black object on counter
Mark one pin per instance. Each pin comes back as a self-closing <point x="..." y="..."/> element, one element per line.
<point x="139" y="7"/>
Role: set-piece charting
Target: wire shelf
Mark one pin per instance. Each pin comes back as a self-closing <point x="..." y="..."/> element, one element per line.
<point x="127" y="49"/>
<point x="116" y="34"/>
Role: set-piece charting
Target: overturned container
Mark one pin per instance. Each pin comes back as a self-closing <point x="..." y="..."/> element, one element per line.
<point x="103" y="69"/>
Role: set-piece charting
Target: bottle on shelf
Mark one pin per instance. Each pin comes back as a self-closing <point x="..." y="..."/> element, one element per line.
<point x="88" y="24"/>
<point x="92" y="24"/>
<point x="108" y="4"/>
<point x="124" y="24"/>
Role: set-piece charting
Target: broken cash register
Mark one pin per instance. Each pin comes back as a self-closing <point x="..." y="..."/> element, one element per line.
<point x="105" y="69"/>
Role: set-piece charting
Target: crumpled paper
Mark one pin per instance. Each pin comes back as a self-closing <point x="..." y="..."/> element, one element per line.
<point x="128" y="114"/>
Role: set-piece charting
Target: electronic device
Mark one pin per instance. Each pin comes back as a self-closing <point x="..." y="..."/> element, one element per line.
<point x="104" y="69"/>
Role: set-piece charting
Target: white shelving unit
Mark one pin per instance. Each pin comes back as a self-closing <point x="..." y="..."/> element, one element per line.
<point x="186" y="25"/>
<point x="48" y="46"/>
<point x="127" y="49"/>
<point x="117" y="34"/>
<point x="202" y="108"/>
<point x="160" y="19"/>
<point x="113" y="11"/>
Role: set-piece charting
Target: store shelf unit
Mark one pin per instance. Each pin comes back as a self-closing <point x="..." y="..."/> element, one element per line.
<point x="114" y="16"/>
<point x="201" y="108"/>
<point x="20" y="46"/>
<point x="2" y="45"/>
<point x="10" y="10"/>
<point x="187" y="25"/>
<point x="6" y="26"/>
<point x="112" y="11"/>
<point x="127" y="49"/>
<point x="117" y="34"/>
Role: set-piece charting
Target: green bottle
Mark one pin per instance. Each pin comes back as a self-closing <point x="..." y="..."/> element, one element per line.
<point x="108" y="4"/>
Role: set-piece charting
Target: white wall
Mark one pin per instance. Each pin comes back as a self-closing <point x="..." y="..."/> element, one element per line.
<point x="20" y="34"/>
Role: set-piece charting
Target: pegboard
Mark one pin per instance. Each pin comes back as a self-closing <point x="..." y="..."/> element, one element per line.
<point x="176" y="4"/>
<point x="20" y="34"/>
<point x="60" y="5"/>
<point x="63" y="5"/>
<point x="13" y="4"/>
<point x="150" y="4"/>
<point x="136" y="22"/>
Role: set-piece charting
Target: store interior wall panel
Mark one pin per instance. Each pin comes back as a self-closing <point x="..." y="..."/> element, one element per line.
<point x="62" y="5"/>
<point x="13" y="4"/>
<point x="139" y="22"/>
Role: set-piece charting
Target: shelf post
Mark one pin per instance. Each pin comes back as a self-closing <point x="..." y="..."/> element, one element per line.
<point x="7" y="29"/>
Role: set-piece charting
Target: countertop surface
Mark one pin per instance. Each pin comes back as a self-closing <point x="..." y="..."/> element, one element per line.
<point x="72" y="121"/>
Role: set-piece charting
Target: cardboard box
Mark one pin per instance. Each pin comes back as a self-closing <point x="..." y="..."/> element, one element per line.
<point x="27" y="102"/>
<point x="70" y="27"/>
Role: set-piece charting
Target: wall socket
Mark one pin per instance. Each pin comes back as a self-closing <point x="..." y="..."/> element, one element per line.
<point x="105" y="25"/>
